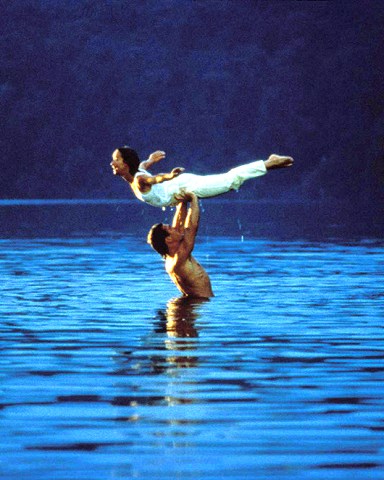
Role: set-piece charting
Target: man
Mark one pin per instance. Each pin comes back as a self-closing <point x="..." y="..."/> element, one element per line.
<point x="161" y="190"/>
<point x="175" y="244"/>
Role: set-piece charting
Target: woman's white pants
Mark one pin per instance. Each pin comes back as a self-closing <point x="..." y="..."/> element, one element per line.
<point x="205" y="186"/>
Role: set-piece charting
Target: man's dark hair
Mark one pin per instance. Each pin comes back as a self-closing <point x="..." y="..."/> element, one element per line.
<point x="156" y="238"/>
<point x="131" y="158"/>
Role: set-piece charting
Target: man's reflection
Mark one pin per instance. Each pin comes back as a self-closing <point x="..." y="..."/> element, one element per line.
<point x="170" y="346"/>
<point x="157" y="355"/>
<point x="181" y="314"/>
<point x="178" y="322"/>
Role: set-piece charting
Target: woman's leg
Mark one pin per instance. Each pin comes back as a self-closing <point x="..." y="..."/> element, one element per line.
<point x="205" y="186"/>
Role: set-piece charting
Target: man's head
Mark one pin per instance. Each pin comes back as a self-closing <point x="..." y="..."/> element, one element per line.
<point x="125" y="160"/>
<point x="165" y="239"/>
<point x="156" y="238"/>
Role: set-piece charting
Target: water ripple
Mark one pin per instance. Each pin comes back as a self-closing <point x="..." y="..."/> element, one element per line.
<point x="279" y="376"/>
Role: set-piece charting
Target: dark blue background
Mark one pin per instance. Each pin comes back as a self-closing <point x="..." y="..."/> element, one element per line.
<point x="214" y="83"/>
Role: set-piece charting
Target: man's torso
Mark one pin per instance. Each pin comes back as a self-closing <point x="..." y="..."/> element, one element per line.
<point x="189" y="277"/>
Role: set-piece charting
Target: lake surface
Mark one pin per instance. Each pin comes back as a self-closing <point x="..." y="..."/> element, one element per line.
<point x="106" y="373"/>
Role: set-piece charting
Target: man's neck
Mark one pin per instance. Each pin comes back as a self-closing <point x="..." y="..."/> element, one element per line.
<point x="171" y="252"/>
<point x="173" y="249"/>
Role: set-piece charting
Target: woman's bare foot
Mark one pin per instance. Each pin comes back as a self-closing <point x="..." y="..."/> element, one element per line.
<point x="278" y="161"/>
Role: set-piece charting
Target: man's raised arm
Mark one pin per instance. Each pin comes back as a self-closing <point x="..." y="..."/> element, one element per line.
<point x="193" y="215"/>
<point x="180" y="214"/>
<point x="191" y="224"/>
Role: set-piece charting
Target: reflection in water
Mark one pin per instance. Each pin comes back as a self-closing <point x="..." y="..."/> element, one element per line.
<point x="171" y="346"/>
<point x="178" y="322"/>
<point x="181" y="314"/>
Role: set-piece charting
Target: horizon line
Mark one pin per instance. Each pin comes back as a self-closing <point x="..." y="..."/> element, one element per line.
<point x="95" y="201"/>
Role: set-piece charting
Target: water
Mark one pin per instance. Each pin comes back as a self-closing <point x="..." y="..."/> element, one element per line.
<point x="107" y="374"/>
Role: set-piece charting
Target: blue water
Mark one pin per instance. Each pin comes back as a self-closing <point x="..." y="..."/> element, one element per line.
<point x="107" y="374"/>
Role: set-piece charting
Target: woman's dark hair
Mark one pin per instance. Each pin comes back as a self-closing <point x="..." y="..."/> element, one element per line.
<point x="156" y="238"/>
<point x="131" y="158"/>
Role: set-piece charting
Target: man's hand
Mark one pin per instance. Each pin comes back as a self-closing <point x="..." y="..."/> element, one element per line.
<point x="156" y="156"/>
<point x="176" y="171"/>
<point x="184" y="196"/>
